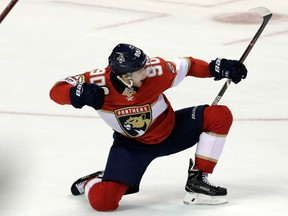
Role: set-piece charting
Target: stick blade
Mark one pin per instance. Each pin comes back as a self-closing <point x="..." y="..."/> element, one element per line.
<point x="264" y="12"/>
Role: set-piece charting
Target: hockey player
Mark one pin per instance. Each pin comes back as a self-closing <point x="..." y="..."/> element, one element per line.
<point x="128" y="96"/>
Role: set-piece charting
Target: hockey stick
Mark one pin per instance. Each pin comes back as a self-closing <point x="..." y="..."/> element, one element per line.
<point x="266" y="14"/>
<point x="7" y="9"/>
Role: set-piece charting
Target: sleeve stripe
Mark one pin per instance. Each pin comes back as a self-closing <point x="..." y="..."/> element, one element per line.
<point x="182" y="68"/>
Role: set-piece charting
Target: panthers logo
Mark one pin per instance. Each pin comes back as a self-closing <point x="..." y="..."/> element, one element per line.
<point x="134" y="121"/>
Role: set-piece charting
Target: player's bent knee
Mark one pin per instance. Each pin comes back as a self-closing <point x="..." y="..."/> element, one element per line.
<point x="99" y="203"/>
<point x="225" y="115"/>
<point x="217" y="119"/>
<point x="105" y="196"/>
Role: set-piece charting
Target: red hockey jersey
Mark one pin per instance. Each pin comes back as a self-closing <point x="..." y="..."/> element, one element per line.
<point x="145" y="113"/>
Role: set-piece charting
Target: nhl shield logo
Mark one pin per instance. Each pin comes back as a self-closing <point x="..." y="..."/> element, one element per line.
<point x="135" y="120"/>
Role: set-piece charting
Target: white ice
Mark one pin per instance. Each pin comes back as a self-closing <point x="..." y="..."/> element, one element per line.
<point x="44" y="147"/>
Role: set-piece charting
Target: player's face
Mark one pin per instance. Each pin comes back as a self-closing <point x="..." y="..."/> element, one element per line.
<point x="138" y="77"/>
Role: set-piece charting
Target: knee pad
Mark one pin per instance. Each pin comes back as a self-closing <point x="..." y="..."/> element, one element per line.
<point x="217" y="119"/>
<point x="105" y="196"/>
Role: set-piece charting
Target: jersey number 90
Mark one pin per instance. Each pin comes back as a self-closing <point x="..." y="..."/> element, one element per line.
<point x="153" y="69"/>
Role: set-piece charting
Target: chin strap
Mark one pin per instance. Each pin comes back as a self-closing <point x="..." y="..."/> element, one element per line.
<point x="129" y="85"/>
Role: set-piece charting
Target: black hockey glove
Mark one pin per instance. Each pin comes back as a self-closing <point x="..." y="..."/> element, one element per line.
<point x="87" y="94"/>
<point x="231" y="69"/>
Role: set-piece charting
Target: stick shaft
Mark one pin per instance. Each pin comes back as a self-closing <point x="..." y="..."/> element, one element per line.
<point x="266" y="14"/>
<point x="7" y="9"/>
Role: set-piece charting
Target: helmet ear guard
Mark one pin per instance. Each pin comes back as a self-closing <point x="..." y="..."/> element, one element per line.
<point x="126" y="58"/>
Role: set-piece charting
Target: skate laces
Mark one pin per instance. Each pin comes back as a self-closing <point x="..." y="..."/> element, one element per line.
<point x="206" y="181"/>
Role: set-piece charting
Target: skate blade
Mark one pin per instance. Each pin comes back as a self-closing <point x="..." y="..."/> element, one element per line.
<point x="202" y="199"/>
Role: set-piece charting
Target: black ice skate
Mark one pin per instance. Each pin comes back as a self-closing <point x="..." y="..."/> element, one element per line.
<point x="201" y="191"/>
<point x="77" y="187"/>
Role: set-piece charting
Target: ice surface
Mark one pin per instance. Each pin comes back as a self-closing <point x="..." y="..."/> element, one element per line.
<point x="44" y="147"/>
